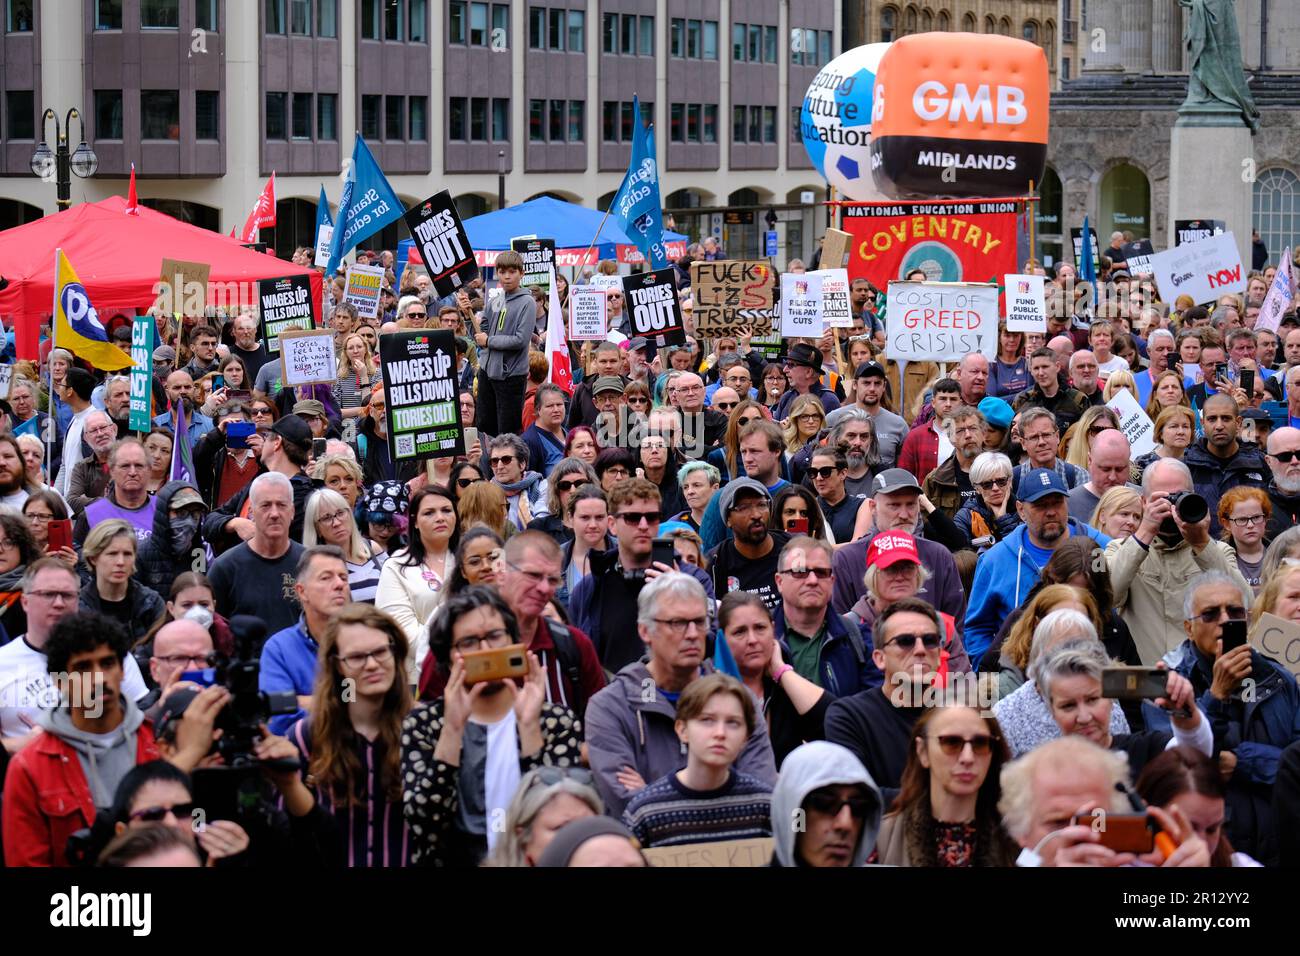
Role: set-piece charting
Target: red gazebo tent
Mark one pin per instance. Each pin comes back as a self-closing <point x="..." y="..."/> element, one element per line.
<point x="118" y="258"/>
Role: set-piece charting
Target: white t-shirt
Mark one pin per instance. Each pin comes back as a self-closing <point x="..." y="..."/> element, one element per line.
<point x="26" y="688"/>
<point x="16" y="499"/>
<point x="1112" y="364"/>
<point x="500" y="772"/>
<point x="72" y="449"/>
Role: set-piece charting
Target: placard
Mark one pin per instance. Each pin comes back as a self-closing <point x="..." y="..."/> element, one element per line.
<point x="837" y="308"/>
<point x="440" y="236"/>
<point x="1026" y="304"/>
<point x="1137" y="257"/>
<point x="1279" y="298"/>
<point x="1134" y="422"/>
<point x="539" y="260"/>
<point x="720" y="853"/>
<point x="420" y="385"/>
<point x="362" y="290"/>
<point x="1187" y="231"/>
<point x="6" y="376"/>
<point x="323" y="237"/>
<point x="835" y="249"/>
<point x="308" y="357"/>
<point x="285" y="303"/>
<point x="650" y="299"/>
<point x="731" y="295"/>
<point x="1076" y="237"/>
<point x="940" y="321"/>
<point x="142" y="332"/>
<point x="771" y="347"/>
<point x="602" y="281"/>
<point x="588" y="314"/>
<point x="1203" y="270"/>
<point x="183" y="287"/>
<point x="1279" y="639"/>
<point x="801" y="306"/>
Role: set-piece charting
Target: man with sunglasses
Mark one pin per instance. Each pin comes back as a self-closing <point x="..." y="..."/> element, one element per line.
<point x="826" y="809"/>
<point x="748" y="560"/>
<point x="1283" y="459"/>
<point x="1109" y="456"/>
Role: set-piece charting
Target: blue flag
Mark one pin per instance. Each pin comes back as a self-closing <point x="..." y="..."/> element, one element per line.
<point x="367" y="205"/>
<point x="1087" y="264"/>
<point x="323" y="210"/>
<point x="636" y="207"/>
<point x="723" y="660"/>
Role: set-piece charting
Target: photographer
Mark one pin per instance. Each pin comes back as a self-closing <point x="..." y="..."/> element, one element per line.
<point x="1151" y="568"/>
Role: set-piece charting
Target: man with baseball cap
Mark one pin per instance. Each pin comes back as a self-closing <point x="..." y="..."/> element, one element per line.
<point x="606" y="363"/>
<point x="749" y="559"/>
<point x="869" y="385"/>
<point x="637" y="366"/>
<point x="803" y="369"/>
<point x="1008" y="571"/>
<point x="313" y="413"/>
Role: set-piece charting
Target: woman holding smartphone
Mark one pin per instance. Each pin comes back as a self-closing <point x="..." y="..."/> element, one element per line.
<point x="43" y="509"/>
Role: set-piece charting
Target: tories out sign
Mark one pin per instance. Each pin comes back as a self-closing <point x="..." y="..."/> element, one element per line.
<point x="419" y="369"/>
<point x="443" y="243"/>
<point x="652" y="304"/>
<point x="1204" y="270"/>
<point x="940" y="321"/>
<point x="286" y="304"/>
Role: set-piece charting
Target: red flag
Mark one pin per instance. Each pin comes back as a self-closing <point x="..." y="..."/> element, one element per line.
<point x="557" y="350"/>
<point x="263" y="214"/>
<point x="132" y="203"/>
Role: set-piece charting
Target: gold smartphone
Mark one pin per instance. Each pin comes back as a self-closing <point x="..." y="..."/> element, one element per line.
<point x="496" y="663"/>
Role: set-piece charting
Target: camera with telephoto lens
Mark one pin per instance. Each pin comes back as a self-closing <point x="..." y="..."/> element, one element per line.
<point x="1191" y="508"/>
<point x="240" y="721"/>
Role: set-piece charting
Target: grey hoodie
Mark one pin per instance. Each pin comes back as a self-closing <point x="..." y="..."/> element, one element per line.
<point x="814" y="765"/>
<point x="630" y="724"/>
<point x="509" y="330"/>
<point x="105" y="758"/>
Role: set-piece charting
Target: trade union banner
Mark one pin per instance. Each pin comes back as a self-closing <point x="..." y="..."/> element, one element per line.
<point x="950" y="242"/>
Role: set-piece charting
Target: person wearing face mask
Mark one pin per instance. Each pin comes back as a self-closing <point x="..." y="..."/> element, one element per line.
<point x="177" y="539"/>
<point x="190" y="599"/>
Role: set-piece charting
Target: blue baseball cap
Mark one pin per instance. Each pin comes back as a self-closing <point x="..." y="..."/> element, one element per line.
<point x="996" y="412"/>
<point x="1039" y="483"/>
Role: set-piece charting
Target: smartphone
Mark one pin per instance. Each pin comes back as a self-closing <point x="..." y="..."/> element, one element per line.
<point x="663" y="552"/>
<point x="1246" y="380"/>
<point x="60" y="531"/>
<point x="1134" y="683"/>
<point x="318" y="446"/>
<point x="1221" y="372"/>
<point x="239" y="395"/>
<point x="1121" y="832"/>
<point x="219" y="382"/>
<point x="497" y="663"/>
<point x="237" y="434"/>
<point x="471" y="436"/>
<point x="796" y="526"/>
<point x="204" y="678"/>
<point x="1234" y="635"/>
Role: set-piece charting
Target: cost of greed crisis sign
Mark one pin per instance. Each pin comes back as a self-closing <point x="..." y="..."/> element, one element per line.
<point x="940" y="321"/>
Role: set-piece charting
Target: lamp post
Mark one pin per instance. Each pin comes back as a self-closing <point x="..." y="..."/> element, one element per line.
<point x="60" y="164"/>
<point x="501" y="179"/>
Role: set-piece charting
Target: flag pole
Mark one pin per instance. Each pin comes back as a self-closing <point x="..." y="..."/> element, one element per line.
<point x="599" y="230"/>
<point x="51" y="420"/>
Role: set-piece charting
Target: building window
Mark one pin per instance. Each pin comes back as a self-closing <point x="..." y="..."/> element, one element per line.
<point x="1030" y="31"/>
<point x="371" y="106"/>
<point x="302" y="116"/>
<point x="738" y="42"/>
<point x="927" y="21"/>
<point x="888" y="25"/>
<point x="629" y="36"/>
<point x="824" y="47"/>
<point x="693" y="123"/>
<point x="609" y="33"/>
<point x="609" y="121"/>
<point x="677" y="122"/>
<point x="419" y="119"/>
<point x="796" y="121"/>
<point x="909" y="21"/>
<point x="755" y="43"/>
<point x="555" y="38"/>
<point x="738" y="124"/>
<point x="395" y="118"/>
<point x="710" y="126"/>
<point x="369" y="19"/>
<point x="478" y="24"/>
<point x="456" y="16"/>
<point x="556" y="125"/>
<point x="327" y="116"/>
<point x="625" y="123"/>
<point x="108" y="114"/>
<point x="1004" y="27"/>
<point x="769" y="124"/>
<point x="989" y="25"/>
<point x="419" y="22"/>
<point x="300" y="17"/>
<point x="676" y="36"/>
<point x="537" y="121"/>
<point x="501" y="120"/>
<point x="275" y="16"/>
<point x="693" y="39"/>
<point x="393" y="26"/>
<point x="577" y="31"/>
<point x="478" y="111"/>
<point x="500" y="24"/>
<point x="276" y="127"/>
<point x="536" y="28"/>
<point x="646" y="45"/>
<point x="160" y="114"/>
<point x="327" y="18"/>
<point x="968" y="23"/>
<point x="710" y="39"/>
<point x="108" y="14"/>
<point x="207" y="114"/>
<point x="945" y="22"/>
<point x="20" y="108"/>
<point x="1065" y="68"/>
<point x="456" y="119"/>
<point x="1277" y="209"/>
<point x="18" y="16"/>
<point x="159" y="14"/>
<point x="577" y="121"/>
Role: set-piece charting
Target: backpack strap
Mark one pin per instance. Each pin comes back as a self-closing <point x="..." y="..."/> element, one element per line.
<point x="566" y="652"/>
<point x="855" y="637"/>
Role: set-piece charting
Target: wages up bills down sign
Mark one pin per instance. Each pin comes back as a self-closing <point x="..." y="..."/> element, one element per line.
<point x="419" y="369"/>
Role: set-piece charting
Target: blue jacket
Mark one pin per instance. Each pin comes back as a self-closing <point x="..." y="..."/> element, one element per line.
<point x="198" y="425"/>
<point x="288" y="664"/>
<point x="1003" y="577"/>
<point x="1212" y="477"/>
<point x="846" y="664"/>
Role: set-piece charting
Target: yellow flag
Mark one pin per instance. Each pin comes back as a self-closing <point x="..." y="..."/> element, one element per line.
<point x="76" y="323"/>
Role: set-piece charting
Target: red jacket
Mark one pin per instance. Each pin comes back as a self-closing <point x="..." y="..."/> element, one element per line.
<point x="919" y="453"/>
<point x="47" y="798"/>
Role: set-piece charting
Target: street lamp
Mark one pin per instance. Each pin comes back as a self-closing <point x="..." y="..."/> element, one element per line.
<point x="58" y="163"/>
<point x="501" y="179"/>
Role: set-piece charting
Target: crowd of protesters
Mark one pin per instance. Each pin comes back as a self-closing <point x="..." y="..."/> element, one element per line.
<point x="747" y="592"/>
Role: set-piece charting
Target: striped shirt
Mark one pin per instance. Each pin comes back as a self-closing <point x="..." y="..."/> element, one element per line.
<point x="352" y="390"/>
<point x="371" y="832"/>
<point x="668" y="813"/>
<point x="363" y="579"/>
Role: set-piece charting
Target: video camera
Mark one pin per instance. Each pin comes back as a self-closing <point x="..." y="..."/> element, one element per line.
<point x="241" y="719"/>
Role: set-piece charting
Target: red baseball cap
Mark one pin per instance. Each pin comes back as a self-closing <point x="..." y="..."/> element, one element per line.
<point x="890" y="547"/>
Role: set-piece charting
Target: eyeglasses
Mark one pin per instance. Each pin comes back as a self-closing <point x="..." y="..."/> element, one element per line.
<point x="55" y="597"/>
<point x="992" y="483"/>
<point x="563" y="486"/>
<point x="503" y="460"/>
<point x="158" y="814"/>
<point x="6" y="545"/>
<point x="1247" y="520"/>
<point x="634" y="518"/>
<point x="981" y="745"/>
<point x="618" y="471"/>
<point x="466" y="482"/>
<point x="907" y="642"/>
<point x="538" y="578"/>
<point x="1210" y="615"/>
<point x="821" y="574"/>
<point x="550" y="776"/>
<point x="678" y="626"/>
<point x="823" y="472"/>
<point x="830" y="803"/>
<point x="816" y="416"/>
<point x="333" y="518"/>
<point x="497" y="638"/>
<point x="479" y="560"/>
<point x="1285" y="457"/>
<point x="34" y="516"/>
<point x="354" y="662"/>
<point x="1041" y="436"/>
<point x="653" y="444"/>
<point x="180" y="660"/>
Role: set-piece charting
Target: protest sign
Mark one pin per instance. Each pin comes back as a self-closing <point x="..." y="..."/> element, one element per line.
<point x="1026" y="305"/>
<point x="1278" y="638"/>
<point x="443" y="243"/>
<point x="1187" y="231"/>
<point x="1203" y="270"/>
<point x="419" y="370"/>
<point x="1137" y="257"/>
<point x="602" y="281"/>
<point x="286" y="303"/>
<point x="650" y="299"/>
<point x="835" y="249"/>
<point x="323" y="236"/>
<point x="950" y="240"/>
<point x="307" y="357"/>
<point x="940" y="321"/>
<point x="1280" y="296"/>
<point x="7" y="375"/>
<point x="1134" y="422"/>
<point x="142" y="332"/>
<point x="801" y="305"/>
<point x="539" y="260"/>
<point x="721" y="853"/>
<point x="588" y="314"/>
<point x="363" y="288"/>
<point x="183" y="287"/>
<point x="837" y="310"/>
<point x="772" y="347"/>
<point x="732" y="294"/>
<point x="1076" y="236"/>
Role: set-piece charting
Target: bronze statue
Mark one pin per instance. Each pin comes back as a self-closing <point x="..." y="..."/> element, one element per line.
<point x="1216" y="78"/>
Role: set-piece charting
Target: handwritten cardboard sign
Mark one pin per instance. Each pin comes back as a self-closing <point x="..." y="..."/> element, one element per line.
<point x="835" y="249"/>
<point x="1279" y="639"/>
<point x="183" y="287"/>
<point x="941" y="321"/>
<point x="307" y="357"/>
<point x="732" y="294"/>
<point x="723" y="853"/>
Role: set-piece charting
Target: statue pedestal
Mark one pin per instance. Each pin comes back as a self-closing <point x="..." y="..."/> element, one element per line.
<point x="1206" y="173"/>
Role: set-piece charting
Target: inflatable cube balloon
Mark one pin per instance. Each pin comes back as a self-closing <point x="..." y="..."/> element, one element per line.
<point x="959" y="114"/>
<point x="835" y="121"/>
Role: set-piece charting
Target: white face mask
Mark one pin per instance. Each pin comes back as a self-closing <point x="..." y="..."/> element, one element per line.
<point x="200" y="615"/>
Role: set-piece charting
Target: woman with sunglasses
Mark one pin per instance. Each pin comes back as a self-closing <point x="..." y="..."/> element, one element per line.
<point x="726" y="458"/>
<point x="1076" y="444"/>
<point x="463" y="474"/>
<point x="568" y="475"/>
<point x="412" y="579"/>
<point x="329" y="521"/>
<point x="547" y="799"/>
<point x="637" y="398"/>
<point x="946" y="813"/>
<point x="1244" y="514"/>
<point x="991" y="515"/>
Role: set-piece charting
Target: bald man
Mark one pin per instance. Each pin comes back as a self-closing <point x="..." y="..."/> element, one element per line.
<point x="1063" y="346"/>
<point x="1283" y="459"/>
<point x="1108" y="467"/>
<point x="179" y="646"/>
